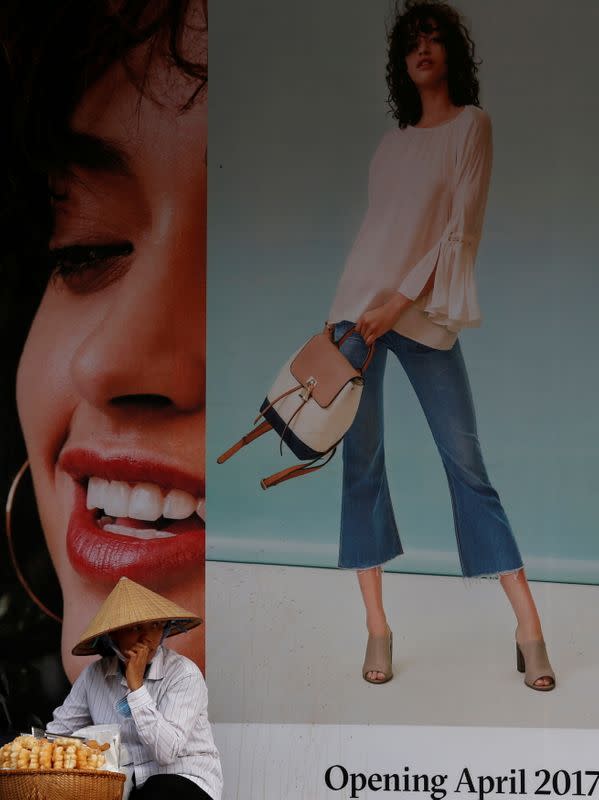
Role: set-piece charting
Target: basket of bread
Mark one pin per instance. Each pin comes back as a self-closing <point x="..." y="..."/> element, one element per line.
<point x="61" y="768"/>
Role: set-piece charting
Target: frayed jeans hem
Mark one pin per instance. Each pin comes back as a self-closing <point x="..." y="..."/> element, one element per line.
<point x="492" y="576"/>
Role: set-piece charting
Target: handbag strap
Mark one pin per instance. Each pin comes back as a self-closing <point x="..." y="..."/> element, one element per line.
<point x="297" y="471"/>
<point x="369" y="355"/>
<point x="263" y="428"/>
<point x="276" y="400"/>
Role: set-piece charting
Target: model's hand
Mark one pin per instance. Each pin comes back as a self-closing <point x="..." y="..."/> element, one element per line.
<point x="137" y="661"/>
<point x="375" y="323"/>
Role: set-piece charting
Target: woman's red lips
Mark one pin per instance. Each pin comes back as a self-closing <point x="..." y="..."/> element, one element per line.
<point x="105" y="555"/>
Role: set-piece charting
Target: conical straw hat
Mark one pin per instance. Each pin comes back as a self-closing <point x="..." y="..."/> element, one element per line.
<point x="129" y="604"/>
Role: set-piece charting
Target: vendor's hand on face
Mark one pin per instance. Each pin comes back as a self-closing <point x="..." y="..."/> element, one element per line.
<point x="138" y="658"/>
<point x="138" y="643"/>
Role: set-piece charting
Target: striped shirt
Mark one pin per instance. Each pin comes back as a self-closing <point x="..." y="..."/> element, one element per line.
<point x="168" y="731"/>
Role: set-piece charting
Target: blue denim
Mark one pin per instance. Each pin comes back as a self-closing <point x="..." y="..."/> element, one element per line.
<point x="369" y="536"/>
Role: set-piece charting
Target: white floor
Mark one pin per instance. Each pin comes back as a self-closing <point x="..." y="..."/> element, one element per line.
<point x="285" y="645"/>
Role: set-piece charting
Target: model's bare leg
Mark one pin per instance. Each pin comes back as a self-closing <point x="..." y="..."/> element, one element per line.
<point x="518" y="593"/>
<point x="371" y="586"/>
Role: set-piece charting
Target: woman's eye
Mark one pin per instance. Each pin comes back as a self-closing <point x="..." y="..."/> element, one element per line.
<point x="89" y="268"/>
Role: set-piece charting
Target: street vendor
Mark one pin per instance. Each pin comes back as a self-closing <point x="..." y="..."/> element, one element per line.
<point x="157" y="696"/>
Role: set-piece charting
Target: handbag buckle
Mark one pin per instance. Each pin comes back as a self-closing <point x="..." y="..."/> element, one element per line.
<point x="308" y="389"/>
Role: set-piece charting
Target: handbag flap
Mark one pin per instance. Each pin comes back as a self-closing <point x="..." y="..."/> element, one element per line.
<point x="320" y="361"/>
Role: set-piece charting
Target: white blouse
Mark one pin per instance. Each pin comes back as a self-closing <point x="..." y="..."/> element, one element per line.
<point x="427" y="193"/>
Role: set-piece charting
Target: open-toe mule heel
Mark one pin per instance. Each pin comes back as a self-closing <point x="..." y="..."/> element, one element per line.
<point x="533" y="661"/>
<point x="379" y="657"/>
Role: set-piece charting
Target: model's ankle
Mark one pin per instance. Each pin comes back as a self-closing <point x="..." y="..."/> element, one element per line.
<point x="377" y="626"/>
<point x="529" y="632"/>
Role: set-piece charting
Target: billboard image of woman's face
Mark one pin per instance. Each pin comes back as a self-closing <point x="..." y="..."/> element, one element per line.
<point x="110" y="384"/>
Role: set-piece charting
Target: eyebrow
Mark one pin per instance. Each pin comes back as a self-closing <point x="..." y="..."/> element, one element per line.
<point x="97" y="154"/>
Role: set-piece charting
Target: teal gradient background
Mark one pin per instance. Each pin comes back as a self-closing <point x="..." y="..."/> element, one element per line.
<point x="297" y="106"/>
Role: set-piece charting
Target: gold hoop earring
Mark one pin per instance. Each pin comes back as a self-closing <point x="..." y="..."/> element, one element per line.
<point x="13" y="556"/>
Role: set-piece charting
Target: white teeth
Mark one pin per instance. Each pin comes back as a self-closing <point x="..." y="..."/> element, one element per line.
<point x="145" y="502"/>
<point x="142" y="501"/>
<point x="138" y="533"/>
<point x="116" y="499"/>
<point x="178" y="505"/>
<point x="201" y="509"/>
<point x="96" y="491"/>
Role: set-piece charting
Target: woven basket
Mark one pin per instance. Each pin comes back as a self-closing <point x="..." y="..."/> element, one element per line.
<point x="58" y="784"/>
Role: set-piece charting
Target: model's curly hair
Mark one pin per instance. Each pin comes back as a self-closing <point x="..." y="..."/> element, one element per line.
<point x="415" y="18"/>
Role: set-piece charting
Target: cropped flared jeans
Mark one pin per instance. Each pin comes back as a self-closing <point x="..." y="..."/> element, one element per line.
<point x="369" y="535"/>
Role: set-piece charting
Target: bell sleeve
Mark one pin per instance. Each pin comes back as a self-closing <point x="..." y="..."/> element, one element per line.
<point x="453" y="302"/>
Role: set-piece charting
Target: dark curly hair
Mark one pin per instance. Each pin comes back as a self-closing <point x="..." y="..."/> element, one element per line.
<point x="416" y="17"/>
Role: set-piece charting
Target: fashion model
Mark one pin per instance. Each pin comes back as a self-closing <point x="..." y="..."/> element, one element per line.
<point x="408" y="286"/>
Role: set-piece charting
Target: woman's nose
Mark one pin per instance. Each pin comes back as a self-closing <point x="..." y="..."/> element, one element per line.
<point x="147" y="349"/>
<point x="423" y="45"/>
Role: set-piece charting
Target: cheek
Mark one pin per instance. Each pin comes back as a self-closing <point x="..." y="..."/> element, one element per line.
<point x="125" y="641"/>
<point x="410" y="65"/>
<point x="45" y="403"/>
<point x="45" y="397"/>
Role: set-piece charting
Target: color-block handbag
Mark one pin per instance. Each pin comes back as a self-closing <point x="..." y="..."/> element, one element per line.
<point x="311" y="405"/>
